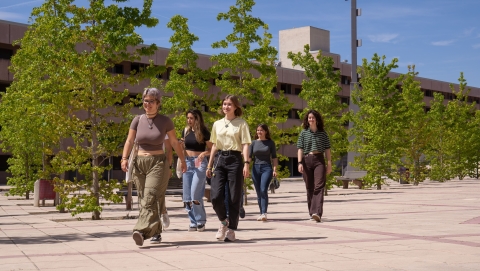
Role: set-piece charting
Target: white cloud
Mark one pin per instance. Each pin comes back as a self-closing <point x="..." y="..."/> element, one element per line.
<point x="21" y="4"/>
<point x="476" y="46"/>
<point x="442" y="42"/>
<point x="382" y="37"/>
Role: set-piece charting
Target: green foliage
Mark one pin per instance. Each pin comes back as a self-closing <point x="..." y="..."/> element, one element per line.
<point x="414" y="127"/>
<point x="320" y="90"/>
<point x="188" y="83"/>
<point x="377" y="122"/>
<point x="454" y="141"/>
<point x="61" y="73"/>
<point x="249" y="71"/>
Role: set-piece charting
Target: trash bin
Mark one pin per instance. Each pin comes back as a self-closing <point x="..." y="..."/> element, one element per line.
<point x="43" y="189"/>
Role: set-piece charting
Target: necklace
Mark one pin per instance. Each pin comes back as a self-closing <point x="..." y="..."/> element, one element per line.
<point x="150" y="125"/>
<point x="226" y="124"/>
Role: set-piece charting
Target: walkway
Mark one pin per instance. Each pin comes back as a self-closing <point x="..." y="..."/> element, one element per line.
<point x="435" y="226"/>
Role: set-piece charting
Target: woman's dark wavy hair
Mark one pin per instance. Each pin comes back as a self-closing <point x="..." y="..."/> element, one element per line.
<point x="198" y="126"/>
<point x="267" y="131"/>
<point x="318" y="118"/>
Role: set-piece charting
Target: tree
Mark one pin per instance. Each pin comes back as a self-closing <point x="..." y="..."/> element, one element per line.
<point x="414" y="130"/>
<point x="79" y="46"/>
<point x="188" y="83"/>
<point x="249" y="72"/>
<point x="320" y="90"/>
<point x="455" y="143"/>
<point x="377" y="121"/>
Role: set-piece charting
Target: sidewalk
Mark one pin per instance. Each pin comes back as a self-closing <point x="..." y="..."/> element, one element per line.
<point x="434" y="226"/>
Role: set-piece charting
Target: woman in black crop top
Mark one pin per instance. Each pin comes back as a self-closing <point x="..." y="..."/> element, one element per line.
<point x="197" y="148"/>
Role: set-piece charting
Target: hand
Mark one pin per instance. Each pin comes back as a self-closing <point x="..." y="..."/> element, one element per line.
<point x="184" y="166"/>
<point x="246" y="171"/>
<point x="300" y="168"/>
<point x="274" y="174"/>
<point x="124" y="164"/>
<point x="329" y="167"/>
<point x="209" y="173"/>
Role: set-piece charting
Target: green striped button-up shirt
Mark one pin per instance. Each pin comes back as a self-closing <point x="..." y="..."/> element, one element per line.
<point x="310" y="141"/>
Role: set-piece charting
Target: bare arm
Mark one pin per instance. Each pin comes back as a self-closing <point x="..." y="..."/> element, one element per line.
<point x="300" y="158"/>
<point x="328" y="156"/>
<point x="168" y="152"/>
<point x="127" y="148"/>
<point x="206" y="152"/>
<point x="275" y="165"/>
<point x="177" y="147"/>
<point x="246" y="168"/>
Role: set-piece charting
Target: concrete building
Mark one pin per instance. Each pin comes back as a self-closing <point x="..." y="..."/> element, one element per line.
<point x="289" y="78"/>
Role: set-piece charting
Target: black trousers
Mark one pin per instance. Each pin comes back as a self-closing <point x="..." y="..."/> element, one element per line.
<point x="228" y="168"/>
<point x="315" y="177"/>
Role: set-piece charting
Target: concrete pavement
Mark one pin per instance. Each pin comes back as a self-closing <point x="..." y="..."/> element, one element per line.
<point x="435" y="226"/>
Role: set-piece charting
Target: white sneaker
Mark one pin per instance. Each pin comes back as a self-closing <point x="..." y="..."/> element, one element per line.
<point x="260" y="218"/>
<point x="165" y="220"/>
<point x="230" y="236"/>
<point x="264" y="217"/>
<point x="222" y="231"/>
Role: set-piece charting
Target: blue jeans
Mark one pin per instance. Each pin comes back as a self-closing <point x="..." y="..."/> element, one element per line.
<point x="262" y="175"/>
<point x="194" y="190"/>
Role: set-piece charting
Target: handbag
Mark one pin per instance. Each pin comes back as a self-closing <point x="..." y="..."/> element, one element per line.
<point x="274" y="184"/>
<point x="179" y="170"/>
<point x="131" y="160"/>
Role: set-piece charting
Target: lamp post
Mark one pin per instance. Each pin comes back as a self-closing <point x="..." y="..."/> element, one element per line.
<point x="354" y="77"/>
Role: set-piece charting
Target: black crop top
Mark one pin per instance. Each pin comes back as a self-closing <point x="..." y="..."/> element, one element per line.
<point x="191" y="143"/>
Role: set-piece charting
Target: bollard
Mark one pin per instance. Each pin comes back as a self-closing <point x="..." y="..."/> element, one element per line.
<point x="36" y="193"/>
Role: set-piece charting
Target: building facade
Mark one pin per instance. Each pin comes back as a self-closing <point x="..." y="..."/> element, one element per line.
<point x="289" y="79"/>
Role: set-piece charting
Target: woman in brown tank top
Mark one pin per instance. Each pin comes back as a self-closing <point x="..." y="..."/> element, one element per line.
<point x="150" y="166"/>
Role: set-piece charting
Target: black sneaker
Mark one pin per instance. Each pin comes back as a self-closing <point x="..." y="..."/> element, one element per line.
<point x="242" y="212"/>
<point x="156" y="239"/>
<point x="201" y="227"/>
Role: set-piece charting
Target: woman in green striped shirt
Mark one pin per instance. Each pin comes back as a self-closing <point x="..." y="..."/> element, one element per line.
<point x="313" y="149"/>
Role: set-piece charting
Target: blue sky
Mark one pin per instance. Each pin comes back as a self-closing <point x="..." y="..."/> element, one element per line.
<point x="441" y="37"/>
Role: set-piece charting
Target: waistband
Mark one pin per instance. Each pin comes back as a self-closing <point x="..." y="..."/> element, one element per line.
<point x="150" y="156"/>
<point x="227" y="153"/>
<point x="314" y="154"/>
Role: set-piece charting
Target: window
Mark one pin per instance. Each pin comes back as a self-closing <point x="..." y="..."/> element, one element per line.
<point x="137" y="67"/>
<point x="3" y="87"/>
<point x="133" y="98"/>
<point x="345" y="80"/>
<point x="428" y="93"/>
<point x="345" y="100"/>
<point x="293" y="114"/>
<point x="286" y="88"/>
<point x="274" y="90"/>
<point x="6" y="53"/>
<point x="426" y="108"/>
<point x="3" y="162"/>
<point x="297" y="91"/>
<point x="118" y="69"/>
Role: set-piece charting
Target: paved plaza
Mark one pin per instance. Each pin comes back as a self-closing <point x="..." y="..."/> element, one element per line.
<point x="434" y="226"/>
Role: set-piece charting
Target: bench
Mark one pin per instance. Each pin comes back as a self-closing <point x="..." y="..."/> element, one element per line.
<point x="352" y="176"/>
